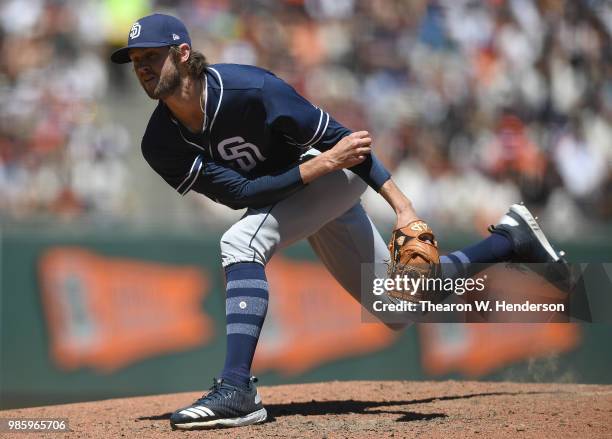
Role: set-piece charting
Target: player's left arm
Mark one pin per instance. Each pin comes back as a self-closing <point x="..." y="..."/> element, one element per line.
<point x="306" y="126"/>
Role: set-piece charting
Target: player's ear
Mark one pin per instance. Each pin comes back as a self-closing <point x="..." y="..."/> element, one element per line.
<point x="185" y="52"/>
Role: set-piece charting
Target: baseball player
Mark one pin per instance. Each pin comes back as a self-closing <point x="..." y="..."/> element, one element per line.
<point x="244" y="138"/>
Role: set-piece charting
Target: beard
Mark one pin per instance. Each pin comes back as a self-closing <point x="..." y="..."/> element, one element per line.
<point x="169" y="82"/>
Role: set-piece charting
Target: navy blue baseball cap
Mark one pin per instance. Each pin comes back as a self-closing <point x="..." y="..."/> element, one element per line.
<point x="157" y="30"/>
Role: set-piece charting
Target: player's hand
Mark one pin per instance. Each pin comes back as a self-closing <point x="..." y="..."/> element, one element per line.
<point x="350" y="151"/>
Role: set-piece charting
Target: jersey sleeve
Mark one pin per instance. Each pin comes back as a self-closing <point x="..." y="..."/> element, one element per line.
<point x="229" y="187"/>
<point x="305" y="126"/>
<point x="187" y="170"/>
<point x="176" y="167"/>
<point x="226" y="185"/>
<point x="301" y="123"/>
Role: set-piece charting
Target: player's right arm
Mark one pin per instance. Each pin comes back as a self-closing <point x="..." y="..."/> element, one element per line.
<point x="304" y="126"/>
<point x="307" y="126"/>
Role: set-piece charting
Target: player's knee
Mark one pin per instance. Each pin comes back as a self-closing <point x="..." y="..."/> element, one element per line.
<point x="236" y="247"/>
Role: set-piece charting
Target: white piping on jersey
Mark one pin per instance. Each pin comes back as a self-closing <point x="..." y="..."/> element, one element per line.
<point x="197" y="162"/>
<point x="220" y="99"/>
<point x="195" y="177"/>
<point x="183" y="137"/>
<point x="322" y="132"/>
<point x="214" y="116"/>
<point x="316" y="131"/>
<point x="203" y="107"/>
<point x="317" y="135"/>
<point x="188" y="174"/>
<point x="195" y="144"/>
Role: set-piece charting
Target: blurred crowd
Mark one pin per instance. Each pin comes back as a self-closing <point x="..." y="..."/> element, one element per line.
<point x="472" y="104"/>
<point x="59" y="156"/>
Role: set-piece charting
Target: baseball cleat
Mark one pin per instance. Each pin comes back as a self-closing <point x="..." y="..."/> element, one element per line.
<point x="532" y="247"/>
<point x="224" y="406"/>
<point x="529" y="242"/>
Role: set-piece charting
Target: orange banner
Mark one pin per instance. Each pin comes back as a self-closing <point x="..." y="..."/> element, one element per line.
<point x="108" y="312"/>
<point x="477" y="349"/>
<point x="312" y="320"/>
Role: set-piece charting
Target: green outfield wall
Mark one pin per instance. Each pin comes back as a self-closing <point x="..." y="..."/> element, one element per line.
<point x="115" y="312"/>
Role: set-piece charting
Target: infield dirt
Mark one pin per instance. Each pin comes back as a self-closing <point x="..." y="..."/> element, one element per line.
<point x="363" y="409"/>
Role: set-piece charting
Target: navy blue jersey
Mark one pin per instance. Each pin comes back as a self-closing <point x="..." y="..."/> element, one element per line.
<point x="257" y="127"/>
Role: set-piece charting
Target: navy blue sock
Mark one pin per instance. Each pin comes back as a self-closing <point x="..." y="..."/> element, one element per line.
<point x="246" y="305"/>
<point x="495" y="248"/>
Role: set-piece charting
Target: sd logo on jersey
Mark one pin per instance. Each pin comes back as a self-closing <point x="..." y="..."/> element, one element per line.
<point x="246" y="155"/>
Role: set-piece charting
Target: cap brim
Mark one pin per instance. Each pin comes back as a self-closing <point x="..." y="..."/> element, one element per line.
<point x="121" y="56"/>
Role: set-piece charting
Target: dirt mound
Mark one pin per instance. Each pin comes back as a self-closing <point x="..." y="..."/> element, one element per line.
<point x="365" y="409"/>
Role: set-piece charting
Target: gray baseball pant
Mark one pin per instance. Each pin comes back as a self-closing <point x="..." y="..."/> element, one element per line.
<point x="329" y="214"/>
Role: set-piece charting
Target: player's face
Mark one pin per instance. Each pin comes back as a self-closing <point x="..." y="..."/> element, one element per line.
<point x="156" y="71"/>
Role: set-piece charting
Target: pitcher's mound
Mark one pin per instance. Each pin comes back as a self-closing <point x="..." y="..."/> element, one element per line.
<point x="364" y="409"/>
